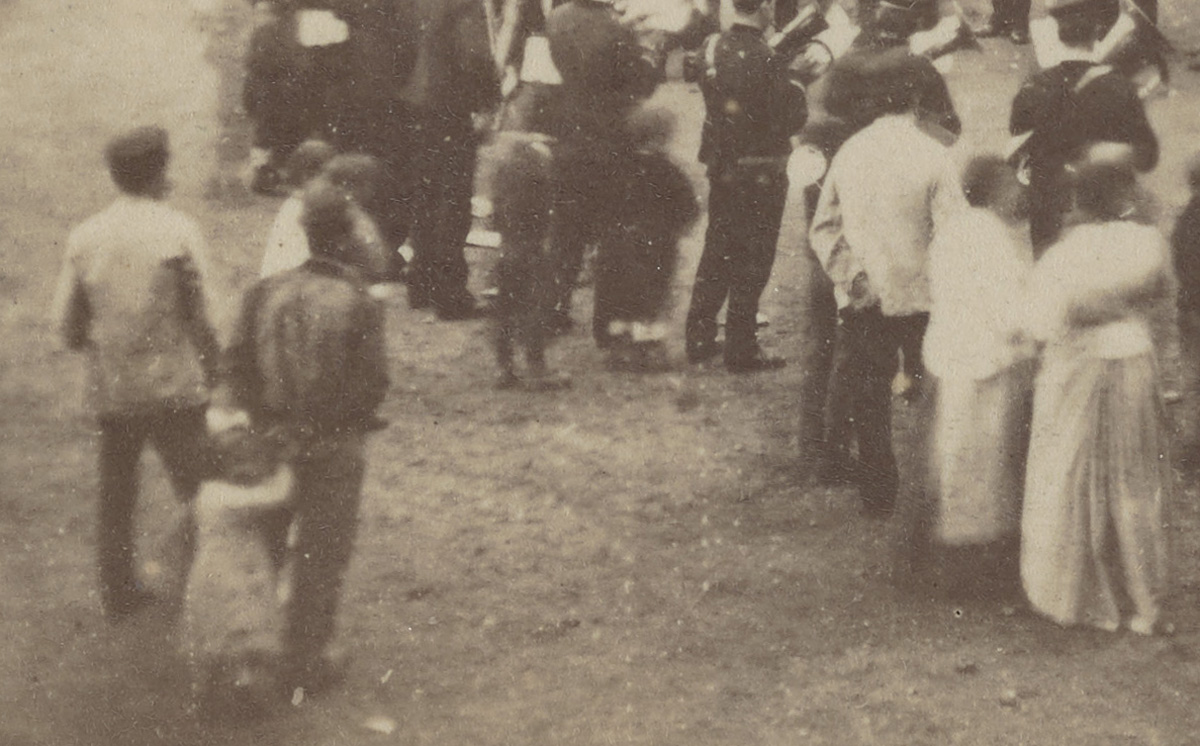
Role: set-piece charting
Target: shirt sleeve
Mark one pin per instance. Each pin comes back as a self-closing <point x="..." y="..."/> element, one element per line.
<point x="194" y="277"/>
<point x="828" y="241"/>
<point x="368" y="354"/>
<point x="70" y="311"/>
<point x="240" y="384"/>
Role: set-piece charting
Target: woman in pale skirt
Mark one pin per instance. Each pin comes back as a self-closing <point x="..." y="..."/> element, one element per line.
<point x="978" y="266"/>
<point x="1098" y="474"/>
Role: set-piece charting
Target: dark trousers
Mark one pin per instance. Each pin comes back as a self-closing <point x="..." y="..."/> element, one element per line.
<point x="444" y="167"/>
<point x="178" y="435"/>
<point x="1010" y="15"/>
<point x="325" y="502"/>
<point x="745" y="207"/>
<point x="865" y="361"/>
<point x="820" y="333"/>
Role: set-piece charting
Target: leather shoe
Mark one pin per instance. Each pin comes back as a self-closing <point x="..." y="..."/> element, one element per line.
<point x="759" y="361"/>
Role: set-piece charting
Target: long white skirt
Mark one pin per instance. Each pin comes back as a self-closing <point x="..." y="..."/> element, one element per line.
<point x="980" y="439"/>
<point x="1097" y="479"/>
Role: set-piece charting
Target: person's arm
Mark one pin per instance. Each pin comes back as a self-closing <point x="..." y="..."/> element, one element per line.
<point x="1137" y="130"/>
<point x="240" y="385"/>
<point x="191" y="273"/>
<point x="828" y="242"/>
<point x="367" y="354"/>
<point x="71" y="310"/>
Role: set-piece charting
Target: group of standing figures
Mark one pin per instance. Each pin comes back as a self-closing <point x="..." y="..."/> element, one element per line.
<point x="965" y="279"/>
<point x="1016" y="294"/>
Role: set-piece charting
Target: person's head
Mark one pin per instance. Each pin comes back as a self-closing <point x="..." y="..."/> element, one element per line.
<point x="356" y="173"/>
<point x="1105" y="181"/>
<point x="326" y="219"/>
<point x="137" y="162"/>
<point x="894" y="81"/>
<point x="1081" y="23"/>
<point x="989" y="182"/>
<point x="307" y="160"/>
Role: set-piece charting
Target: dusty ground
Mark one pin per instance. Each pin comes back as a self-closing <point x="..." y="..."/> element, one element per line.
<point x="628" y="562"/>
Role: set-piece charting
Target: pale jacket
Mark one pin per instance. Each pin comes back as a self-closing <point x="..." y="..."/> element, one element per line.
<point x="888" y="188"/>
<point x="132" y="294"/>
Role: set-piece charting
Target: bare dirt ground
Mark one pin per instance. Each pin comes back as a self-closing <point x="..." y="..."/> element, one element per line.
<point x="632" y="561"/>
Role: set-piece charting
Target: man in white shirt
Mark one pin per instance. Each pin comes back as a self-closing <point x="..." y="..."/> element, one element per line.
<point x="132" y="296"/>
<point x="887" y="189"/>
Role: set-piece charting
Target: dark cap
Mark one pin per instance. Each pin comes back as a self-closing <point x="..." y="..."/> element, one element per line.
<point x="137" y="158"/>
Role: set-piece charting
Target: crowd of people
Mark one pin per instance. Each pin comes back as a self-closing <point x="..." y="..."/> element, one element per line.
<point x="1013" y="292"/>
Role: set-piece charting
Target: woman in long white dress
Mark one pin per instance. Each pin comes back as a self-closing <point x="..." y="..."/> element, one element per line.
<point x="1098" y="474"/>
<point x="979" y="263"/>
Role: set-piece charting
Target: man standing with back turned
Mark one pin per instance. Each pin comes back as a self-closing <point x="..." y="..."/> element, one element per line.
<point x="1061" y="110"/>
<point x="131" y="296"/>
<point x="753" y="107"/>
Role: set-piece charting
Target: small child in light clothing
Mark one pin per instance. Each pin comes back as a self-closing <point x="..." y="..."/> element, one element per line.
<point x="232" y="617"/>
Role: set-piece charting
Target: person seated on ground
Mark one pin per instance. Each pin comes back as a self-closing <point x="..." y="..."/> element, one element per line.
<point x="287" y="246"/>
<point x="978" y="267"/>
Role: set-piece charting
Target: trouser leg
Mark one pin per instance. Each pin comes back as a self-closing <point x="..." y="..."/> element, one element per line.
<point x="715" y="269"/>
<point x="874" y="351"/>
<point x="820" y="331"/>
<point x="327" y="494"/>
<point x="764" y="197"/>
<point x="180" y="438"/>
<point x="121" y="439"/>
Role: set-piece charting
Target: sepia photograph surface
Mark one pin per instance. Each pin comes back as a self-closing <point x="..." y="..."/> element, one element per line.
<point x="655" y="372"/>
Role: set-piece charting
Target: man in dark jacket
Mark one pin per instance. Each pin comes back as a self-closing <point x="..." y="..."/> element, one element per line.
<point x="308" y="358"/>
<point x="753" y="107"/>
<point x="1061" y="110"/>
